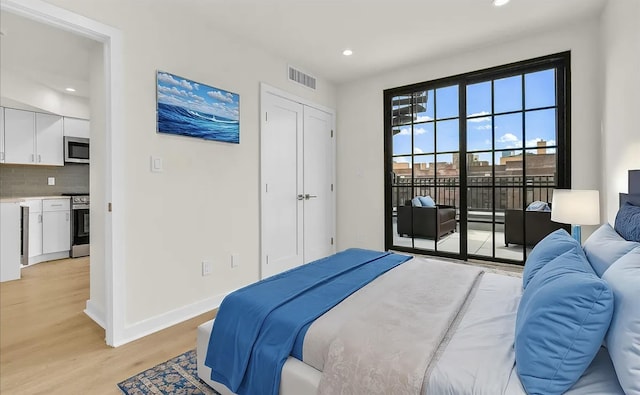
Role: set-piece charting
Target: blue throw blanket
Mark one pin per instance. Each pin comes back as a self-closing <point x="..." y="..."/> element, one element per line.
<point x="256" y="327"/>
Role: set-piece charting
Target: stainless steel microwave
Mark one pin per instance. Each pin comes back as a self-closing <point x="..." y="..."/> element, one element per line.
<point x="76" y="150"/>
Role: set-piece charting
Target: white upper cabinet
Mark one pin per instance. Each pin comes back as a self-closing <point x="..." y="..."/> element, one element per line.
<point x="33" y="138"/>
<point x="1" y="134"/>
<point x="74" y="127"/>
<point x="19" y="136"/>
<point x="49" y="140"/>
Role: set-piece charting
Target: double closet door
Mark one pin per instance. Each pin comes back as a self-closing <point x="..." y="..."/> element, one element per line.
<point x="297" y="182"/>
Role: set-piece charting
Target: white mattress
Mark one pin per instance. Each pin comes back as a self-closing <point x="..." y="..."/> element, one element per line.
<point x="486" y="333"/>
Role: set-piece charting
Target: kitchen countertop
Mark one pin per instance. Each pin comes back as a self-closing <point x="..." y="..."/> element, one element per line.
<point x="22" y="199"/>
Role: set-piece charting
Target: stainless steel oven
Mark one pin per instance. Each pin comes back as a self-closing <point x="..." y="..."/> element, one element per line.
<point x="79" y="225"/>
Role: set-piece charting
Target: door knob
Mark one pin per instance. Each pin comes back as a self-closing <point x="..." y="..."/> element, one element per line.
<point x="307" y="196"/>
<point x="300" y="197"/>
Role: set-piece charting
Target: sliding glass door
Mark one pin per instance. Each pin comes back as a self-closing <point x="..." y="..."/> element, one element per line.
<point x="466" y="156"/>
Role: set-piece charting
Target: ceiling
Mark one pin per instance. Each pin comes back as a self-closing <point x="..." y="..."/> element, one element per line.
<point x="311" y="34"/>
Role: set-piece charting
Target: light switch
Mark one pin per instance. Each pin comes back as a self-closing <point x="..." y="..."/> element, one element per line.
<point x="51" y="181"/>
<point x="156" y="164"/>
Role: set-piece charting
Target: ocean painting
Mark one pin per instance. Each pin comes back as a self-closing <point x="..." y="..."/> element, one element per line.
<point x="192" y="109"/>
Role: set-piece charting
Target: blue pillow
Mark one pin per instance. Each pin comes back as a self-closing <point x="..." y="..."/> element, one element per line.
<point x="538" y="206"/>
<point x="427" y="201"/>
<point x="415" y="202"/>
<point x="552" y="246"/>
<point x="604" y="247"/>
<point x="561" y="322"/>
<point x="628" y="222"/>
<point x="623" y="338"/>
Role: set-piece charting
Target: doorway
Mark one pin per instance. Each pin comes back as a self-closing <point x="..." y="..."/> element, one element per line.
<point x="108" y="281"/>
<point x="297" y="181"/>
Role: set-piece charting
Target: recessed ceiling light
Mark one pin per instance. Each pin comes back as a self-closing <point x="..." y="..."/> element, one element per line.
<point x="70" y="90"/>
<point x="499" y="3"/>
<point x="347" y="52"/>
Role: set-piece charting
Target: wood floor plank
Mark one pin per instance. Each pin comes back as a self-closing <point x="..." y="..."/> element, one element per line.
<point x="49" y="346"/>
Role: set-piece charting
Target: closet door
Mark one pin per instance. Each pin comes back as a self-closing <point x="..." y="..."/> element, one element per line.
<point x="281" y="183"/>
<point x="318" y="184"/>
<point x="297" y="184"/>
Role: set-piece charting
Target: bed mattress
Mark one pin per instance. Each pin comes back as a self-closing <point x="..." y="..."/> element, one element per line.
<point x="485" y="333"/>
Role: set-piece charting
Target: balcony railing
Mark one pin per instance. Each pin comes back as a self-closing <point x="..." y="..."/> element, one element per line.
<point x="480" y="195"/>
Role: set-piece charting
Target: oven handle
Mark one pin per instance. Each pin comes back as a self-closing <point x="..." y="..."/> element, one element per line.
<point x="80" y="207"/>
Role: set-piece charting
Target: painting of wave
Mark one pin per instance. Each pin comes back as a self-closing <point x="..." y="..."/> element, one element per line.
<point x="192" y="109"/>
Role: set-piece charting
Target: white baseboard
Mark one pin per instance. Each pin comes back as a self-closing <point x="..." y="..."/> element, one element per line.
<point x="95" y="313"/>
<point x="165" y="320"/>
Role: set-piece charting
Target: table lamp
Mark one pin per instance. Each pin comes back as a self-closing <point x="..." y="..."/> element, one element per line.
<point x="576" y="207"/>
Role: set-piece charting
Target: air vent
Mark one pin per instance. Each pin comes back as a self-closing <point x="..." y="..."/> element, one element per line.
<point x="299" y="77"/>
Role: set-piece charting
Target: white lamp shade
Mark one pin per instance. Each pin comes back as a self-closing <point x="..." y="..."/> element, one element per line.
<point x="576" y="207"/>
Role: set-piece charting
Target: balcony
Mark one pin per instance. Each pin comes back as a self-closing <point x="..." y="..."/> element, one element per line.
<point x="485" y="227"/>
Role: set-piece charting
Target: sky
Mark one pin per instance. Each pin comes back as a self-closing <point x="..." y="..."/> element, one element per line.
<point x="508" y="128"/>
<point x="191" y="95"/>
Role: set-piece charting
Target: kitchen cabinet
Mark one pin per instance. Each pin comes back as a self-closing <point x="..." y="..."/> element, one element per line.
<point x="75" y="127"/>
<point x="56" y="225"/>
<point x="9" y="241"/>
<point x="49" y="228"/>
<point x="35" y="227"/>
<point x="33" y="138"/>
<point x="1" y="134"/>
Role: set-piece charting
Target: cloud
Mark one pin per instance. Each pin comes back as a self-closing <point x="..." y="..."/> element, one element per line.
<point x="196" y="97"/>
<point x="401" y="160"/>
<point x="196" y="86"/>
<point x="417" y="150"/>
<point x="483" y="127"/>
<point x="168" y="79"/>
<point x="418" y="131"/>
<point x="227" y="98"/>
<point x="478" y="114"/>
<point x="534" y="142"/>
<point x="423" y="118"/>
<point x="171" y="91"/>
<point x="508" y="138"/>
<point x="186" y="84"/>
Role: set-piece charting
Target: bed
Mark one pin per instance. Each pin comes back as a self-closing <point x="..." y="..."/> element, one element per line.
<point x="491" y="333"/>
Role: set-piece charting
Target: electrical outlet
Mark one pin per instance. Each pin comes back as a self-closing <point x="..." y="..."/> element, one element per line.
<point x="207" y="268"/>
<point x="235" y="260"/>
<point x="51" y="181"/>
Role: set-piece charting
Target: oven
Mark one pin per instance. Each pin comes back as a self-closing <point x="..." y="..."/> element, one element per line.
<point x="79" y="225"/>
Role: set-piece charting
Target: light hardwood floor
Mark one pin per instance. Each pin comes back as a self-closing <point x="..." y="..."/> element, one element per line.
<point x="49" y="346"/>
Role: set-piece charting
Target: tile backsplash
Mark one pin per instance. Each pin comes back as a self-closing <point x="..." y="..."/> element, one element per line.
<point x="25" y="180"/>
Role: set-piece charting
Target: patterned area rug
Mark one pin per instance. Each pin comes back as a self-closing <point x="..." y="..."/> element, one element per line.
<point x="175" y="376"/>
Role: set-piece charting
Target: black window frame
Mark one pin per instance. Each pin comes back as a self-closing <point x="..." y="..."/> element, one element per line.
<point x="561" y="62"/>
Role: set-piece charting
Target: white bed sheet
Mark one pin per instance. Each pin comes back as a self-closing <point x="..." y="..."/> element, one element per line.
<point x="479" y="358"/>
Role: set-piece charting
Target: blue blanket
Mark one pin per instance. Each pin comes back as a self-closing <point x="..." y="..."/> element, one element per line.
<point x="256" y="327"/>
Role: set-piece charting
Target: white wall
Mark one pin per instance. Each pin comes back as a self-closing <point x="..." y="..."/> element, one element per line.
<point x="620" y="127"/>
<point x="205" y="205"/>
<point x="17" y="90"/>
<point x="360" y="142"/>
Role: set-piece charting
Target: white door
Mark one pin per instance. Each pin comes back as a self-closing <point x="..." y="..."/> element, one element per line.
<point x="297" y="173"/>
<point x="281" y="181"/>
<point x="318" y="184"/>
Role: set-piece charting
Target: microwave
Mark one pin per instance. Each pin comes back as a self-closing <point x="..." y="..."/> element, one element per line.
<point x="76" y="150"/>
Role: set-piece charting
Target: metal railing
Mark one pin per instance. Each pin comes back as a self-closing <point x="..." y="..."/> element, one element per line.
<point x="446" y="190"/>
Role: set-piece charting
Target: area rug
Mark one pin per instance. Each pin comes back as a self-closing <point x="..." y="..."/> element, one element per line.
<point x="175" y="376"/>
